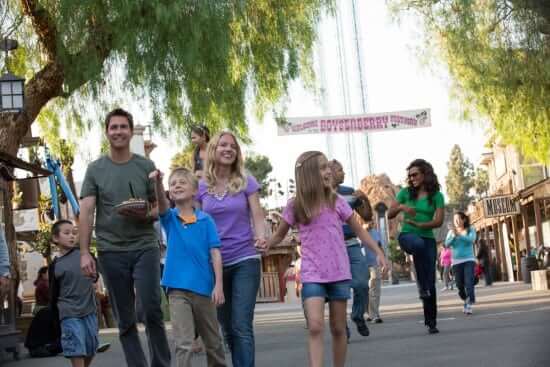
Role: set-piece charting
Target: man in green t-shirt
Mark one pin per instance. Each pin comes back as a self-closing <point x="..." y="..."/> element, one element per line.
<point x="423" y="206"/>
<point x="127" y="243"/>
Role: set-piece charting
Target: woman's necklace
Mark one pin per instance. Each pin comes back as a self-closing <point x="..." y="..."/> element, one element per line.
<point x="219" y="195"/>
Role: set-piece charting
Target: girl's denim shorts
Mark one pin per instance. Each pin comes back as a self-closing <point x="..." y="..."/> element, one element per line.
<point x="329" y="291"/>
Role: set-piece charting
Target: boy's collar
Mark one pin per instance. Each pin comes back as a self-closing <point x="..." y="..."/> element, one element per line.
<point x="190" y="219"/>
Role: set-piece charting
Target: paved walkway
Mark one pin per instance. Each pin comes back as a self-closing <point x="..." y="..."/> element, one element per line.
<point x="510" y="328"/>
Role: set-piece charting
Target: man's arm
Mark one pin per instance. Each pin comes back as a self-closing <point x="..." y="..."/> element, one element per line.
<point x="85" y="225"/>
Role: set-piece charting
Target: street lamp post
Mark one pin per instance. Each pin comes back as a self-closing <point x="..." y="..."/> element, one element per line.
<point x="12" y="87"/>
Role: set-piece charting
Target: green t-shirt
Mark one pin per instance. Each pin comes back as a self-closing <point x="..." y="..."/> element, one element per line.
<point x="110" y="183"/>
<point x="424" y="211"/>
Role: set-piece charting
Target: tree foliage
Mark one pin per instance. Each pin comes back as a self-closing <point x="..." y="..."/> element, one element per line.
<point x="481" y="182"/>
<point x="459" y="179"/>
<point x="260" y="167"/>
<point x="498" y="54"/>
<point x="183" y="158"/>
<point x="184" y="58"/>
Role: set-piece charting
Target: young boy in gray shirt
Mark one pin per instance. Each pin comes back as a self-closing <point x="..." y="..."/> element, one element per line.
<point x="73" y="298"/>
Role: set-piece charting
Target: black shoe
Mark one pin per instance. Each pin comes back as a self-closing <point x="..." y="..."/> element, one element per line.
<point x="369" y="319"/>
<point x="348" y="334"/>
<point x="424" y="293"/>
<point x="362" y="328"/>
<point x="432" y="329"/>
<point x="378" y="320"/>
<point x="103" y="347"/>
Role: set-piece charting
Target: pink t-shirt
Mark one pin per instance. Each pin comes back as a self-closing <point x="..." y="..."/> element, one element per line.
<point x="324" y="255"/>
<point x="445" y="258"/>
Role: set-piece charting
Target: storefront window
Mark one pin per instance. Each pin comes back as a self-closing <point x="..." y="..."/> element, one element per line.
<point x="532" y="171"/>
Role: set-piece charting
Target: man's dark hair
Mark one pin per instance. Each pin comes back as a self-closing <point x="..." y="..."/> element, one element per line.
<point x="119" y="112"/>
<point x="56" y="227"/>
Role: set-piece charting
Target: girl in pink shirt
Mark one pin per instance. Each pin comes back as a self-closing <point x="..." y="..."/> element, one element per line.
<point x="318" y="213"/>
<point x="446" y="260"/>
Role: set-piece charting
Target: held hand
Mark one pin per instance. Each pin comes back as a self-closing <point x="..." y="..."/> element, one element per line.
<point x="217" y="296"/>
<point x="407" y="209"/>
<point x="261" y="245"/>
<point x="87" y="265"/>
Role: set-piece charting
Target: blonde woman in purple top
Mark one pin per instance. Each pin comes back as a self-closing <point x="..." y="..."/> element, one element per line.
<point x="318" y="213"/>
<point x="231" y="198"/>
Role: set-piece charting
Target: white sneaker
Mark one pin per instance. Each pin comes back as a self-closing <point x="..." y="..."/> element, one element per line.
<point x="465" y="309"/>
<point x="468" y="309"/>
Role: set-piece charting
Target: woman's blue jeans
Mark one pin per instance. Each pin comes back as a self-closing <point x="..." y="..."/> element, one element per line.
<point x="464" y="277"/>
<point x="240" y="286"/>
<point x="424" y="253"/>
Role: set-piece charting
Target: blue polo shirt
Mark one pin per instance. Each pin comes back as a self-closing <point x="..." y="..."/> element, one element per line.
<point x="188" y="263"/>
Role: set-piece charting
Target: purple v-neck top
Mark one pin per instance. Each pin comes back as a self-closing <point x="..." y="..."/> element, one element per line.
<point x="233" y="220"/>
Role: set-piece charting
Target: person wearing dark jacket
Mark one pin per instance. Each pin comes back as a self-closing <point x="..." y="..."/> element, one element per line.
<point x="41" y="290"/>
<point x="484" y="258"/>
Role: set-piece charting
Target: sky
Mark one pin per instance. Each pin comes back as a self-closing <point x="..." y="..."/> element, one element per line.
<point x="395" y="80"/>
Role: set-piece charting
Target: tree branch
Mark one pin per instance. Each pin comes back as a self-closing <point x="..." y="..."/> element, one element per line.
<point x="43" y="25"/>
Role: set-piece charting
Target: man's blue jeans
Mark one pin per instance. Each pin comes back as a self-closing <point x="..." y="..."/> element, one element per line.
<point x="464" y="277"/>
<point x="424" y="252"/>
<point x="359" y="282"/>
<point x="240" y="286"/>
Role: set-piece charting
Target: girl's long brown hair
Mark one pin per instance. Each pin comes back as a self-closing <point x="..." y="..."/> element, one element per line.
<point x="311" y="194"/>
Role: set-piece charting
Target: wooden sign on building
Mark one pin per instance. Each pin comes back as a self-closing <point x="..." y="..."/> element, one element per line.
<point x="499" y="206"/>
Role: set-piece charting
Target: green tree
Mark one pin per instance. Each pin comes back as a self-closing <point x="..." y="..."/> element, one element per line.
<point x="498" y="55"/>
<point x="259" y="167"/>
<point x="184" y="58"/>
<point x="481" y="182"/>
<point x="459" y="179"/>
<point x="187" y="58"/>
<point x="183" y="158"/>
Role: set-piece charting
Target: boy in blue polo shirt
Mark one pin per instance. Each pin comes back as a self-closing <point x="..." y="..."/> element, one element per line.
<point x="193" y="268"/>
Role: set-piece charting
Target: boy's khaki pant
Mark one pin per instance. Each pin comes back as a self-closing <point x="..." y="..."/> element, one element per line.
<point x="188" y="311"/>
<point x="375" y="287"/>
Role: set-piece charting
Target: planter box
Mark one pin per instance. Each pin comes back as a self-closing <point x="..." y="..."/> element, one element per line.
<point x="540" y="280"/>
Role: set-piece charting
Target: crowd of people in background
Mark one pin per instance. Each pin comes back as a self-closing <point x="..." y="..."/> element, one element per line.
<point x="212" y="225"/>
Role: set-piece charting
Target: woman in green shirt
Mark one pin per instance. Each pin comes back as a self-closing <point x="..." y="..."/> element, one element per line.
<point x="423" y="206"/>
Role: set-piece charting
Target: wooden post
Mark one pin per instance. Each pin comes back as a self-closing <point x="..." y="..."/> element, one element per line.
<point x="538" y="223"/>
<point x="515" y="233"/>
<point x="497" y="241"/>
<point x="525" y="223"/>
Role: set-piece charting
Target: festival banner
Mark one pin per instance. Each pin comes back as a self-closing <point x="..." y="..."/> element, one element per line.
<point x="368" y="122"/>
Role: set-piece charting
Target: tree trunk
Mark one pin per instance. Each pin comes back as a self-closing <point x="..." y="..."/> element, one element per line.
<point x="44" y="86"/>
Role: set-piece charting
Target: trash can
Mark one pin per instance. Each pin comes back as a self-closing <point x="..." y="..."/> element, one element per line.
<point x="528" y="264"/>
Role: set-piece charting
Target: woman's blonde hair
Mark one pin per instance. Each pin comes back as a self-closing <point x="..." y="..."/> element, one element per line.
<point x="311" y="194"/>
<point x="237" y="181"/>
